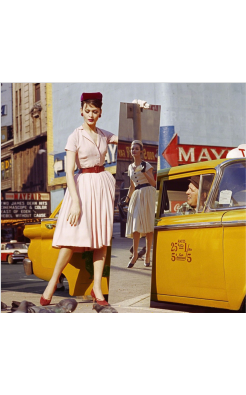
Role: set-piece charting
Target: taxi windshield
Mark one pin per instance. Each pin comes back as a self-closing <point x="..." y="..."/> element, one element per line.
<point x="178" y="199"/>
<point x="232" y="187"/>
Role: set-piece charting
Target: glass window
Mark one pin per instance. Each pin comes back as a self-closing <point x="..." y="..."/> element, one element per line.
<point x="232" y="187"/>
<point x="37" y="92"/>
<point x="187" y="195"/>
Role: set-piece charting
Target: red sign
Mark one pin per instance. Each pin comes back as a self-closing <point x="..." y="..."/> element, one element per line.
<point x="26" y="196"/>
<point x="174" y="205"/>
<point x="181" y="154"/>
<point x="150" y="152"/>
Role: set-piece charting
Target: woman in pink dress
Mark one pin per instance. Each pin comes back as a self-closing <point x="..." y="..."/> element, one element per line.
<point x="85" y="220"/>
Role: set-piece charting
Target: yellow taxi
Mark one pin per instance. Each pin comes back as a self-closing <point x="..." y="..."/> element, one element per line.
<point x="42" y="258"/>
<point x="200" y="235"/>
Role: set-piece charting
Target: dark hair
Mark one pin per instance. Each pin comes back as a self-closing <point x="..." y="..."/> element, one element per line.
<point x="95" y="102"/>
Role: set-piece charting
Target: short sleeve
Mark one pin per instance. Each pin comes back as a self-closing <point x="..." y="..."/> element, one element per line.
<point x="72" y="143"/>
<point x="148" y="166"/>
<point x="111" y="138"/>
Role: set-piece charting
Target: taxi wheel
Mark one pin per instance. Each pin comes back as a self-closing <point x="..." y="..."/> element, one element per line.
<point x="10" y="259"/>
<point x="243" y="306"/>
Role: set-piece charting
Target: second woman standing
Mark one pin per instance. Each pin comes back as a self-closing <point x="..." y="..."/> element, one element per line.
<point x="142" y="196"/>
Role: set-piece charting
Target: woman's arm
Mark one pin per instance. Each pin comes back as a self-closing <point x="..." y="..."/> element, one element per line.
<point x="149" y="175"/>
<point x="115" y="140"/>
<point x="75" y="210"/>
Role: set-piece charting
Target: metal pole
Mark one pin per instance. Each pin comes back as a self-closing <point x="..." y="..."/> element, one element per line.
<point x="137" y="132"/>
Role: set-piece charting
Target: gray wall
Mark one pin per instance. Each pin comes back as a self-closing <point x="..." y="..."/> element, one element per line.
<point x="210" y="114"/>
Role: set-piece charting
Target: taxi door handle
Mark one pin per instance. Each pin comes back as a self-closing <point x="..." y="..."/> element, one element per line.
<point x="50" y="226"/>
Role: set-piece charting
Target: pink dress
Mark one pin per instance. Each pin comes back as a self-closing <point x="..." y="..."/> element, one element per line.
<point x="96" y="193"/>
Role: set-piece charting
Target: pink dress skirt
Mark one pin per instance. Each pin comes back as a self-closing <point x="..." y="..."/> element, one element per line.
<point x="96" y="193"/>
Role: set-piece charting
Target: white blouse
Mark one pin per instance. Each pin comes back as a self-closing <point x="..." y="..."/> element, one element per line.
<point x="136" y="175"/>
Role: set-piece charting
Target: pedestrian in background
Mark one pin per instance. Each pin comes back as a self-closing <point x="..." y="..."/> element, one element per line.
<point x="141" y="197"/>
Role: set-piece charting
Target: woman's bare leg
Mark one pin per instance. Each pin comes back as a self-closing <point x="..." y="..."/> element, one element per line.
<point x="136" y="238"/>
<point x="99" y="256"/>
<point x="149" y="240"/>
<point x="64" y="257"/>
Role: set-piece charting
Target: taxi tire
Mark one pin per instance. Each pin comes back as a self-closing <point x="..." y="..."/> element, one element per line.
<point x="243" y="306"/>
<point x="9" y="259"/>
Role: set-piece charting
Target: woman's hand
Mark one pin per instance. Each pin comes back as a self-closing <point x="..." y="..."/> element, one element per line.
<point x="143" y="164"/>
<point x="74" y="214"/>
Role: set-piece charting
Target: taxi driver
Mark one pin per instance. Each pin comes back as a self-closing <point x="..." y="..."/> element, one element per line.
<point x="189" y="207"/>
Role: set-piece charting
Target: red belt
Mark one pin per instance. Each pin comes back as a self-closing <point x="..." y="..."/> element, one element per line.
<point x="95" y="169"/>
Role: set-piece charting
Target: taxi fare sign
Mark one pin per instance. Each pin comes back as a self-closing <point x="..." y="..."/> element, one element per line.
<point x="17" y="205"/>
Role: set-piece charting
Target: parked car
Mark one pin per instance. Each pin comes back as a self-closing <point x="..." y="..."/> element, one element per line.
<point x="13" y="252"/>
<point x="42" y="258"/>
<point x="199" y="255"/>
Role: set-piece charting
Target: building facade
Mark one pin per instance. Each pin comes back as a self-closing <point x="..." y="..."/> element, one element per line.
<point x="6" y="136"/>
<point x="24" y="155"/>
<point x="30" y="137"/>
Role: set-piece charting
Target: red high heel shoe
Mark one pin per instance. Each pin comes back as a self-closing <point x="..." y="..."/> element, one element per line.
<point x="46" y="302"/>
<point x="98" y="301"/>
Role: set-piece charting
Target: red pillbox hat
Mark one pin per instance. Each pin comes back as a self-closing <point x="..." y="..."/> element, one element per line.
<point x="91" y="96"/>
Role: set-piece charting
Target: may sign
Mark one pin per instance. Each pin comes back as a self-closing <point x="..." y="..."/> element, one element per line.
<point x="180" y="154"/>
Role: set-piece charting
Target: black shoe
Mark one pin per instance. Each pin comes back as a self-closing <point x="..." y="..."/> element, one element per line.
<point x="131" y="264"/>
<point x="142" y="252"/>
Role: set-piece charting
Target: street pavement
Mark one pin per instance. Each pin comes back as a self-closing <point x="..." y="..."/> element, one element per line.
<point x="129" y="289"/>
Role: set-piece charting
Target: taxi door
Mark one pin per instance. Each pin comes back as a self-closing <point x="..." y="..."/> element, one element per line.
<point x="234" y="225"/>
<point x="188" y="262"/>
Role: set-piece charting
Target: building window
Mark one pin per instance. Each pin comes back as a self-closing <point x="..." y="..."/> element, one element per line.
<point x="20" y="100"/>
<point x="20" y="123"/>
<point x="16" y="124"/>
<point x="37" y="92"/>
<point x="16" y="102"/>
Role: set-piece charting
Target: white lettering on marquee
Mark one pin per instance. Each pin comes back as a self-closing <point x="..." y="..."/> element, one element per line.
<point x="217" y="156"/>
<point x="111" y="153"/>
<point x="190" y="153"/>
<point x="204" y="155"/>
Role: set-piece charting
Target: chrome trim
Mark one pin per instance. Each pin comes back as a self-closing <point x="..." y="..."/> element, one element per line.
<point x="48" y="219"/>
<point x="227" y="208"/>
<point x="196" y="225"/>
<point x="234" y="223"/>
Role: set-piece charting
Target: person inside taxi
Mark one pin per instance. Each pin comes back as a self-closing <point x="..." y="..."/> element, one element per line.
<point x="190" y="206"/>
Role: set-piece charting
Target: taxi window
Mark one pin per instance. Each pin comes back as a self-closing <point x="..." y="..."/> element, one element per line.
<point x="8" y="247"/>
<point x="232" y="187"/>
<point x="174" y="196"/>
